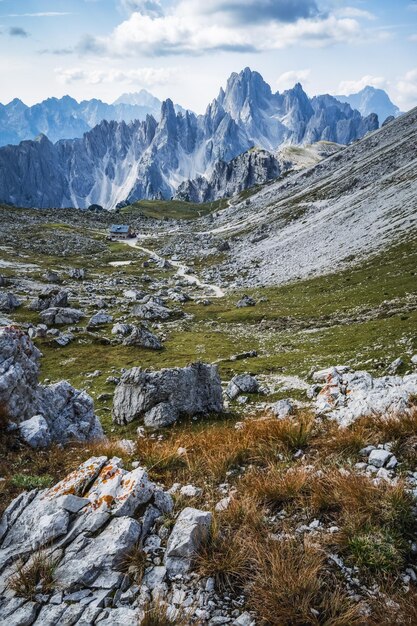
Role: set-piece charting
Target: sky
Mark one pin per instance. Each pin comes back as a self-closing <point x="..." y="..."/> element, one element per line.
<point x="186" y="49"/>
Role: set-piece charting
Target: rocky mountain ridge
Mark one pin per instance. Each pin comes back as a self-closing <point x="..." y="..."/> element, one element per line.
<point x="65" y="118"/>
<point x="252" y="168"/>
<point x="117" y="162"/>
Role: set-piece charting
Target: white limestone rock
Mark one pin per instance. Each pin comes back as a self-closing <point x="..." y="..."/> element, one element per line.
<point x="191" y="529"/>
<point x="35" y="432"/>
<point x="282" y="408"/>
<point x="242" y="383"/>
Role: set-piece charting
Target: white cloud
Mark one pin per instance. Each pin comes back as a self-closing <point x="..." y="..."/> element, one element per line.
<point x="41" y="14"/>
<point x="355" y="12"/>
<point x="413" y="37"/>
<point x="144" y="76"/>
<point x="348" y="87"/>
<point x="290" y="78"/>
<point x="194" y="34"/>
<point x="406" y="89"/>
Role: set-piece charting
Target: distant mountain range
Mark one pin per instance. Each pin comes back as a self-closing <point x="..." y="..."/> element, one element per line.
<point x="372" y="100"/>
<point x="65" y="118"/>
<point x="118" y="161"/>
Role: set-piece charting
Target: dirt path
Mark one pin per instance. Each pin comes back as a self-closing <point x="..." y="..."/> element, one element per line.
<point x="182" y="270"/>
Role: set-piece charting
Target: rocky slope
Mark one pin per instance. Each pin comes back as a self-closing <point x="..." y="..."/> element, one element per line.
<point x="358" y="200"/>
<point x="252" y="168"/>
<point x="116" y="162"/>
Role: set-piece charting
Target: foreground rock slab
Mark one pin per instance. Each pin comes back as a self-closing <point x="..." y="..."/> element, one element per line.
<point x="160" y="398"/>
<point x="192" y="528"/>
<point x="86" y="526"/>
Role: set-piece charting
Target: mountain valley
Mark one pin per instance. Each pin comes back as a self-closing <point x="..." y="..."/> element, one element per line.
<point x="208" y="393"/>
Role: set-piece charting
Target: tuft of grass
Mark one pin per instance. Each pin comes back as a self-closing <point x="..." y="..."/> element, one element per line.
<point x="134" y="563"/>
<point x="225" y="557"/>
<point x="34" y="576"/>
<point x="276" y="486"/>
<point x="156" y="615"/>
<point x="291" y="587"/>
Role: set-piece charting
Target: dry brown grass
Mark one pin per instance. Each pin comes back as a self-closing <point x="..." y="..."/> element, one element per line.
<point x="134" y="563"/>
<point x="156" y="615"/>
<point x="292" y="587"/>
<point x="220" y="448"/>
<point x="276" y="486"/>
<point x="394" y="610"/>
<point x="34" y="576"/>
<point x="225" y="558"/>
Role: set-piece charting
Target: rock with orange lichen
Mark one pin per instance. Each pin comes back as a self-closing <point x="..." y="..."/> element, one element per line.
<point x="95" y="514"/>
<point x="90" y="525"/>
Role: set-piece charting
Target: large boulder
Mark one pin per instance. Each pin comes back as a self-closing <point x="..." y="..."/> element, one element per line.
<point x="152" y="309"/>
<point x="68" y="413"/>
<point x="8" y="302"/>
<point x="159" y="398"/>
<point x="191" y="530"/>
<point x="100" y="318"/>
<point x="19" y="371"/>
<point x="242" y="383"/>
<point x="35" y="432"/>
<point x="58" y="316"/>
<point x="142" y="338"/>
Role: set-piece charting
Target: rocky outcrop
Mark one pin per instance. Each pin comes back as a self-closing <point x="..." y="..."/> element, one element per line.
<point x="347" y="396"/>
<point x="56" y="412"/>
<point x="152" y="309"/>
<point x="160" y="398"/>
<point x="8" y="302"/>
<point x="142" y="338"/>
<point x="251" y="168"/>
<point x="49" y="298"/>
<point x="85" y="525"/>
<point x="102" y="531"/>
<point x="138" y="336"/>
<point x="99" y="319"/>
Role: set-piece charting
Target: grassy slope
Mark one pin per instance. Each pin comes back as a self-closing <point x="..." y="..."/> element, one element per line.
<point x="317" y="322"/>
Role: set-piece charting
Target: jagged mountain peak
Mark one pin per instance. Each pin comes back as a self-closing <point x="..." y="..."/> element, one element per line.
<point x="138" y="98"/>
<point x="129" y="160"/>
<point x="372" y="100"/>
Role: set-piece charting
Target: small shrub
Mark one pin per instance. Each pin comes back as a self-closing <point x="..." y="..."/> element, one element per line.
<point x="37" y="572"/>
<point x="377" y="550"/>
<point x="26" y="481"/>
